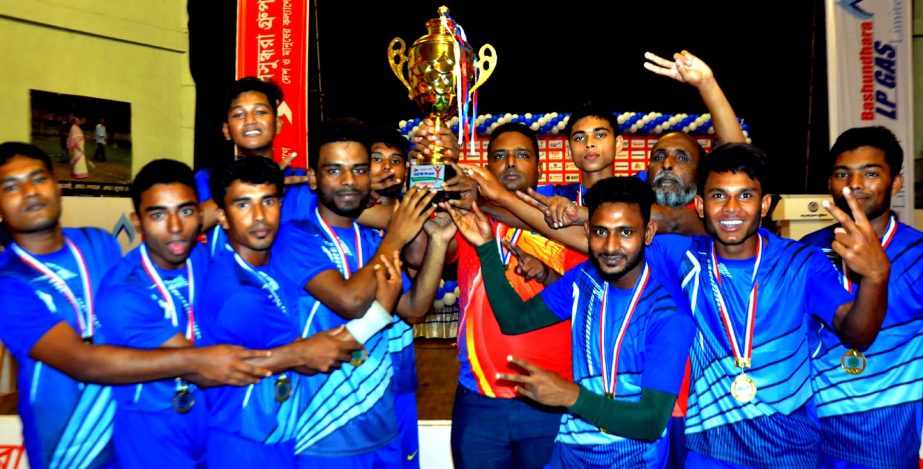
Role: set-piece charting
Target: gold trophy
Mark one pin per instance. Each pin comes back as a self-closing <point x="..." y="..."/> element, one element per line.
<point x="436" y="63"/>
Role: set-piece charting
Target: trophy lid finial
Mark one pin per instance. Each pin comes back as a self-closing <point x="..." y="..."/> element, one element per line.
<point x="443" y="10"/>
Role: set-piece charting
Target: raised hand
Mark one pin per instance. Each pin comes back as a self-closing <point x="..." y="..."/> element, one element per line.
<point x="440" y="227"/>
<point x="227" y="364"/>
<point x="685" y="68"/>
<point x="410" y="213"/>
<point x="856" y="242"/>
<point x="541" y="385"/>
<point x="528" y="266"/>
<point x="472" y="224"/>
<point x="464" y="185"/>
<point x="428" y="137"/>
<point x="559" y="212"/>
<point x="390" y="281"/>
<point x="488" y="186"/>
<point x="327" y="350"/>
<point x="384" y="180"/>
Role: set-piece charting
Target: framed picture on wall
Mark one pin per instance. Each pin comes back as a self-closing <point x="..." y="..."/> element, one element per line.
<point x="88" y="140"/>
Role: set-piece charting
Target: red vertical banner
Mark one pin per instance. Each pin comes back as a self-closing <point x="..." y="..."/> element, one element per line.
<point x="272" y="40"/>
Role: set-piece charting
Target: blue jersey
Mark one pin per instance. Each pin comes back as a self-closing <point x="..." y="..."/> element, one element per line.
<point x="299" y="200"/>
<point x="351" y="410"/>
<point x="403" y="357"/>
<point x="569" y="190"/>
<point x="66" y="423"/>
<point x="250" y="306"/>
<point x="652" y="355"/>
<point x="874" y="418"/>
<point x="795" y="283"/>
<point x="135" y="313"/>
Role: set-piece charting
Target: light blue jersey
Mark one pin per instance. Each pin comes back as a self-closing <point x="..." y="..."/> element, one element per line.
<point x="135" y="312"/>
<point x="351" y="410"/>
<point x="795" y="283"/>
<point x="66" y="423"/>
<point x="874" y="418"/>
<point x="652" y="355"/>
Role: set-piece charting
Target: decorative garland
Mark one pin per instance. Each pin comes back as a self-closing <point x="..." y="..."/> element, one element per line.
<point x="630" y="123"/>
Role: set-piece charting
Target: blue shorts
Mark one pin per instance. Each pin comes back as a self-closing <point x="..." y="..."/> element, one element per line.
<point x="227" y="450"/>
<point x="389" y="456"/>
<point x="164" y="438"/>
<point x="405" y="406"/>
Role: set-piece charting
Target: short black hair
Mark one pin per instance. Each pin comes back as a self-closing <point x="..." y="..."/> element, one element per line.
<point x="336" y="130"/>
<point x="591" y="109"/>
<point x="10" y="149"/>
<point x="390" y="137"/>
<point x="514" y="127"/>
<point x="249" y="170"/>
<point x="736" y="158"/>
<point x="269" y="88"/>
<point x="617" y="189"/>
<point x="162" y="171"/>
<point x="875" y="137"/>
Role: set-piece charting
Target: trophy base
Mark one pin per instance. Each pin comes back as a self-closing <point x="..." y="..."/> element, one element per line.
<point x="436" y="175"/>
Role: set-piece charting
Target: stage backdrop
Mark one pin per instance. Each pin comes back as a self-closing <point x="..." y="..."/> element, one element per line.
<point x="870" y="77"/>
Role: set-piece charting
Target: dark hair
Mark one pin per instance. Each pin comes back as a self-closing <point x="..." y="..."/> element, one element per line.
<point x="514" y="127"/>
<point x="628" y="190"/>
<point x="162" y="171"/>
<point x="875" y="137"/>
<point x="10" y="149"/>
<point x="390" y="137"/>
<point x="736" y="158"/>
<point x="591" y="109"/>
<point x="337" y="130"/>
<point x="249" y="170"/>
<point x="269" y="88"/>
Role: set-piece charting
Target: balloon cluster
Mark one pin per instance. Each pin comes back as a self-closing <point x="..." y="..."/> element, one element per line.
<point x="630" y="123"/>
<point x="446" y="295"/>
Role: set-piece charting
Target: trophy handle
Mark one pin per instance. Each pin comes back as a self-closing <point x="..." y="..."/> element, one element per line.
<point x="487" y="62"/>
<point x="397" y="58"/>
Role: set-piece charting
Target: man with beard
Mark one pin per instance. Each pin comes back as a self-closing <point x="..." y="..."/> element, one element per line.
<point x="751" y="403"/>
<point x="49" y="277"/>
<point x="350" y="421"/>
<point x="245" y="302"/>
<point x="869" y="400"/>
<point x="631" y="333"/>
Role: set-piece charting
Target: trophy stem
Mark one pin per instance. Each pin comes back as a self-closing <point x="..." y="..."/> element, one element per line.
<point x="439" y="151"/>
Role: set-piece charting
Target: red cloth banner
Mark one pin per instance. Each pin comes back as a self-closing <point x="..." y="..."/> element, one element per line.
<point x="272" y="40"/>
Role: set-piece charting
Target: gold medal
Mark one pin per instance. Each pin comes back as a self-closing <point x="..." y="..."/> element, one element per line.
<point x="359" y="357"/>
<point x="743" y="388"/>
<point x="853" y="362"/>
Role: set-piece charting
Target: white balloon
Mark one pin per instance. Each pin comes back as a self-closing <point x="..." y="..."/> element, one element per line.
<point x="449" y="299"/>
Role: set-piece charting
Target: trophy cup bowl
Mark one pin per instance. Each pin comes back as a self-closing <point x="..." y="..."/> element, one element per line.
<point x="434" y="65"/>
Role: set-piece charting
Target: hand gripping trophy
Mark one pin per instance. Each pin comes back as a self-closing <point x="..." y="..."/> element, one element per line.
<point x="443" y="76"/>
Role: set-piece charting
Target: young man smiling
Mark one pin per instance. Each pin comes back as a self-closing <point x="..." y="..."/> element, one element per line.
<point x="49" y="278"/>
<point x="869" y="399"/>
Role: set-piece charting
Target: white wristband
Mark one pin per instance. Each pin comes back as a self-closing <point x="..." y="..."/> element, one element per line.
<point x="375" y="319"/>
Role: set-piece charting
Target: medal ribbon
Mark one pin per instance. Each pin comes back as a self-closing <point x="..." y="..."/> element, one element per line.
<point x="505" y="256"/>
<point x="168" y="297"/>
<point x="580" y="195"/>
<point x="336" y="241"/>
<point x="741" y="359"/>
<point x="610" y="383"/>
<point x="263" y="278"/>
<point x="85" y="322"/>
<point x="885" y="241"/>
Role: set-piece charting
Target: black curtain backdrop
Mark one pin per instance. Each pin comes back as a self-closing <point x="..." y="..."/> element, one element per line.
<point x="769" y="58"/>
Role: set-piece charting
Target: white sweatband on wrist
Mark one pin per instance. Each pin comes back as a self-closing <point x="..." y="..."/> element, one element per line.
<point x="375" y="319"/>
